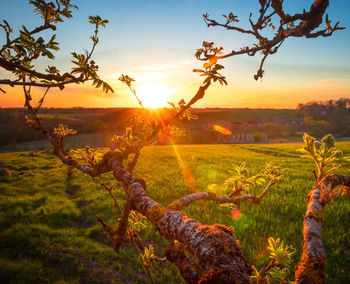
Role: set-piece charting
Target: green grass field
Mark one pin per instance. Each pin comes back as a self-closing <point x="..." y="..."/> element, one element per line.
<point x="48" y="230"/>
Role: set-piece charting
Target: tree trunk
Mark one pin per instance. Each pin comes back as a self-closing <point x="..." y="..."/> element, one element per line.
<point x="217" y="257"/>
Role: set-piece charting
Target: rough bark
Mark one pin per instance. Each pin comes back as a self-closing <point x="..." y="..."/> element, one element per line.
<point x="311" y="266"/>
<point x="176" y="253"/>
<point x="339" y="180"/>
<point x="217" y="256"/>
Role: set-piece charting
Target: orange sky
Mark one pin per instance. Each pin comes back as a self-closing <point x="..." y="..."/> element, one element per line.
<point x="153" y="46"/>
<point x="156" y="87"/>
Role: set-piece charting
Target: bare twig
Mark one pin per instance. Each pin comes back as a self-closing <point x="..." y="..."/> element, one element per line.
<point x="109" y="189"/>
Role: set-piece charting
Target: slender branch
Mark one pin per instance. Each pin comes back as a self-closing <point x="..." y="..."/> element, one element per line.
<point x="253" y="50"/>
<point x="44" y="85"/>
<point x="42" y="100"/>
<point x="136" y="245"/>
<point x="228" y="27"/>
<point x="236" y="191"/>
<point x="133" y="163"/>
<point x="263" y="271"/>
<point x="119" y="238"/>
<point x="109" y="229"/>
<point x="93" y="47"/>
<point x="133" y="91"/>
<point x="324" y="33"/>
<point x="109" y="189"/>
<point x="180" y="203"/>
<point x="271" y="183"/>
<point x="13" y="66"/>
<point x="199" y="95"/>
<point x="309" y="22"/>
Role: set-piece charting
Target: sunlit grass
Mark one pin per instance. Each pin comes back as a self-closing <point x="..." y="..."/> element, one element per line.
<point x="47" y="220"/>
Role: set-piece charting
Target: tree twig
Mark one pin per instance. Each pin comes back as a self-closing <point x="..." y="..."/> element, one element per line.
<point x="180" y="203"/>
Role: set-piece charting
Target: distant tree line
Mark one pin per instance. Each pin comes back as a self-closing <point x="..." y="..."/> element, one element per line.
<point x="317" y="118"/>
<point x="332" y="116"/>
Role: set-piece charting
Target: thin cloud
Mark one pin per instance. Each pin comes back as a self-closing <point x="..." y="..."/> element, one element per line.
<point x="327" y="82"/>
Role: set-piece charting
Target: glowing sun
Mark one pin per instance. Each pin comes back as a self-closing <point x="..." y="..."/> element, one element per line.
<point x="154" y="95"/>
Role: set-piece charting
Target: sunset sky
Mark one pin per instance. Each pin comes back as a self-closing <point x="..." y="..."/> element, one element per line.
<point x="155" y="41"/>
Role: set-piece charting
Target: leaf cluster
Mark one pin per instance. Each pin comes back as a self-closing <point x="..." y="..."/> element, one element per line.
<point x="279" y="252"/>
<point x="230" y="18"/>
<point x="88" y="154"/>
<point x="324" y="153"/>
<point x="175" y="131"/>
<point x="208" y="50"/>
<point x="148" y="255"/>
<point x="97" y="21"/>
<point x="242" y="180"/>
<point x="63" y="130"/>
<point x="136" y="135"/>
<point x="20" y="53"/>
<point x="210" y="53"/>
<point x="87" y="69"/>
<point x="136" y="221"/>
<point x="52" y="13"/>
<point x="211" y="72"/>
<point x="126" y="79"/>
<point x="278" y="270"/>
<point x="185" y="112"/>
<point x="7" y="28"/>
<point x="26" y="48"/>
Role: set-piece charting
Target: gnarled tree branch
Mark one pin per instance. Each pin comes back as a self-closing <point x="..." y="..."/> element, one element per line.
<point x="217" y="254"/>
<point x="311" y="266"/>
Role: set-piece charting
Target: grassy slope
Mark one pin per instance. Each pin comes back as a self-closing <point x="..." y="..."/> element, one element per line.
<point x="48" y="230"/>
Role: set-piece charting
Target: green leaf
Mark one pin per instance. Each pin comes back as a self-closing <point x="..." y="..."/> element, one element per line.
<point x="329" y="142"/>
<point x="48" y="54"/>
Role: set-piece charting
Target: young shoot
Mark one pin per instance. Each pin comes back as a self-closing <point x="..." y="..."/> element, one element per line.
<point x="241" y="180"/>
<point x="325" y="155"/>
<point x="278" y="270"/>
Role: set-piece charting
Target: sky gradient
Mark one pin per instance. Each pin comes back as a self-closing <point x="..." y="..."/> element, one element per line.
<point x="155" y="41"/>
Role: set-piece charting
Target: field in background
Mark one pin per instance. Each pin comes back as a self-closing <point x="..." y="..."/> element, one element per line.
<point x="48" y="230"/>
<point x="72" y="141"/>
<point x="95" y="122"/>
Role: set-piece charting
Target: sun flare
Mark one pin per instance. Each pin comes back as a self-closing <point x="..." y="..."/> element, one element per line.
<point x="153" y="95"/>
